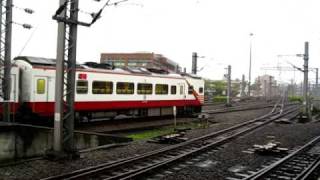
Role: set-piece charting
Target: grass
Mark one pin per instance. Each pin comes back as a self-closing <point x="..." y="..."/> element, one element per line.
<point x="151" y="133"/>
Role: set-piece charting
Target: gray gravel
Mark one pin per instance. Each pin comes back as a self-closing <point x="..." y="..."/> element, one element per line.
<point x="235" y="157"/>
<point x="43" y="168"/>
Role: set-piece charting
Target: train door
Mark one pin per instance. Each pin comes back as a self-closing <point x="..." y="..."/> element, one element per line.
<point x="41" y="89"/>
<point x="182" y="90"/>
<point x="13" y="93"/>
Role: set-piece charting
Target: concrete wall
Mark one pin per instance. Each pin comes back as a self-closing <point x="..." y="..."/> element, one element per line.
<point x="24" y="141"/>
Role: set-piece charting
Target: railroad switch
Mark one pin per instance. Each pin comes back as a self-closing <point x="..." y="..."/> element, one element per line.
<point x="269" y="149"/>
<point x="173" y="138"/>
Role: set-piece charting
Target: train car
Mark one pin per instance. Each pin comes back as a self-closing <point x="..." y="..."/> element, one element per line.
<point x="106" y="92"/>
<point x="14" y="92"/>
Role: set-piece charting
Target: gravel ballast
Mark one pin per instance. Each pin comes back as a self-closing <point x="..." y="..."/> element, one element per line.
<point x="44" y="168"/>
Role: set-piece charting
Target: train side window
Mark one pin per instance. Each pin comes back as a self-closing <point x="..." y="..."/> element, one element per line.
<point x="144" y="88"/>
<point x="41" y="86"/>
<point x="173" y="89"/>
<point x="102" y="87"/>
<point x="82" y="87"/>
<point x="190" y="90"/>
<point x="201" y="90"/>
<point x="162" y="89"/>
<point x="125" y="88"/>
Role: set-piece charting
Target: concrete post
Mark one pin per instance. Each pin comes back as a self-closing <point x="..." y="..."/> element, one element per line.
<point x="317" y="70"/>
<point x="265" y="89"/>
<point x="270" y="87"/>
<point x="243" y="85"/>
<point x="305" y="79"/>
<point x="58" y="116"/>
<point x="7" y="62"/>
<point x="229" y="87"/>
<point x="250" y="61"/>
<point x="194" y="62"/>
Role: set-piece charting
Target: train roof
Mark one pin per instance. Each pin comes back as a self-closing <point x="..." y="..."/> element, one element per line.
<point x="50" y="62"/>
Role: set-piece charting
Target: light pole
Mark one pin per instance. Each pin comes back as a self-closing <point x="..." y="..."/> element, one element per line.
<point x="250" y="60"/>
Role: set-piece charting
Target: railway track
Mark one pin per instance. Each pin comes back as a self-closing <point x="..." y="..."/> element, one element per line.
<point x="138" y="166"/>
<point x="302" y="164"/>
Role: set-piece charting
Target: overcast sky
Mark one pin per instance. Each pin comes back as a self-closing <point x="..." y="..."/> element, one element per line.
<point x="216" y="29"/>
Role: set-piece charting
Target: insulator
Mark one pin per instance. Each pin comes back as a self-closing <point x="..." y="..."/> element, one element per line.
<point x="28" y="10"/>
<point x="26" y="26"/>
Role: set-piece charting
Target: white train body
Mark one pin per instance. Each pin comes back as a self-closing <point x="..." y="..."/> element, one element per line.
<point x="104" y="92"/>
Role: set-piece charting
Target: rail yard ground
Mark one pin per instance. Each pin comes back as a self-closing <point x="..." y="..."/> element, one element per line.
<point x="229" y="160"/>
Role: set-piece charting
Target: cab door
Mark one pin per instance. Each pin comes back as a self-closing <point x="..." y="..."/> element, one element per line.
<point x="40" y="104"/>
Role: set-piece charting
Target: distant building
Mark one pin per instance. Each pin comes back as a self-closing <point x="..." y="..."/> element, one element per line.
<point x="146" y="60"/>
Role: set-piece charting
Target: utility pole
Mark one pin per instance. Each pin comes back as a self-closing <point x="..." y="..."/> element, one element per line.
<point x="65" y="83"/>
<point x="317" y="70"/>
<point x="243" y="85"/>
<point x="194" y="62"/>
<point x="67" y="18"/>
<point x="229" y="86"/>
<point x="5" y="56"/>
<point x="270" y="87"/>
<point x="250" y="61"/>
<point x="265" y="88"/>
<point x="305" y="79"/>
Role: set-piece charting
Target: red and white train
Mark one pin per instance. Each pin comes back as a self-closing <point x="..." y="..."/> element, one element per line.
<point x="102" y="92"/>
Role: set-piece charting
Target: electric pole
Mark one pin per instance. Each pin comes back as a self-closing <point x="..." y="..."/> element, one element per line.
<point x="67" y="18"/>
<point x="229" y="86"/>
<point x="250" y="61"/>
<point x="305" y="80"/>
<point x="270" y="87"/>
<point x="5" y="56"/>
<point x="243" y="85"/>
<point x="65" y="83"/>
<point x="194" y="63"/>
<point x="265" y="88"/>
<point x="317" y="70"/>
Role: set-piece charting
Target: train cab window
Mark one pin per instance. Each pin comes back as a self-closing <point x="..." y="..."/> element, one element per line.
<point x="201" y="90"/>
<point x="41" y="86"/>
<point x="102" y="87"/>
<point x="144" y="88"/>
<point x="125" y="88"/>
<point x="82" y="87"/>
<point x="190" y="90"/>
<point x="162" y="89"/>
<point x="173" y="89"/>
<point x="181" y="90"/>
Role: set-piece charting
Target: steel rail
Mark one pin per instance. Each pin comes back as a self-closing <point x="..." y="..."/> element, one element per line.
<point x="96" y="169"/>
<point x="138" y="173"/>
<point x="263" y="172"/>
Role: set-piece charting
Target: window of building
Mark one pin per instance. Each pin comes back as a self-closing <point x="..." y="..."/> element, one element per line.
<point x="161" y="89"/>
<point x="144" y="88"/>
<point x="190" y="90"/>
<point x="173" y="89"/>
<point x="125" y="88"/>
<point x="102" y="87"/>
<point x="41" y="86"/>
<point x="201" y="90"/>
<point x="181" y="90"/>
<point x="82" y="87"/>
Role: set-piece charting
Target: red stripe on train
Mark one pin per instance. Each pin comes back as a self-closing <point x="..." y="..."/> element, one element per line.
<point x="47" y="108"/>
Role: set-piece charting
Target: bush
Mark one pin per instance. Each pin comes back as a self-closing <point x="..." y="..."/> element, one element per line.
<point x="220" y="99"/>
<point x="295" y="98"/>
